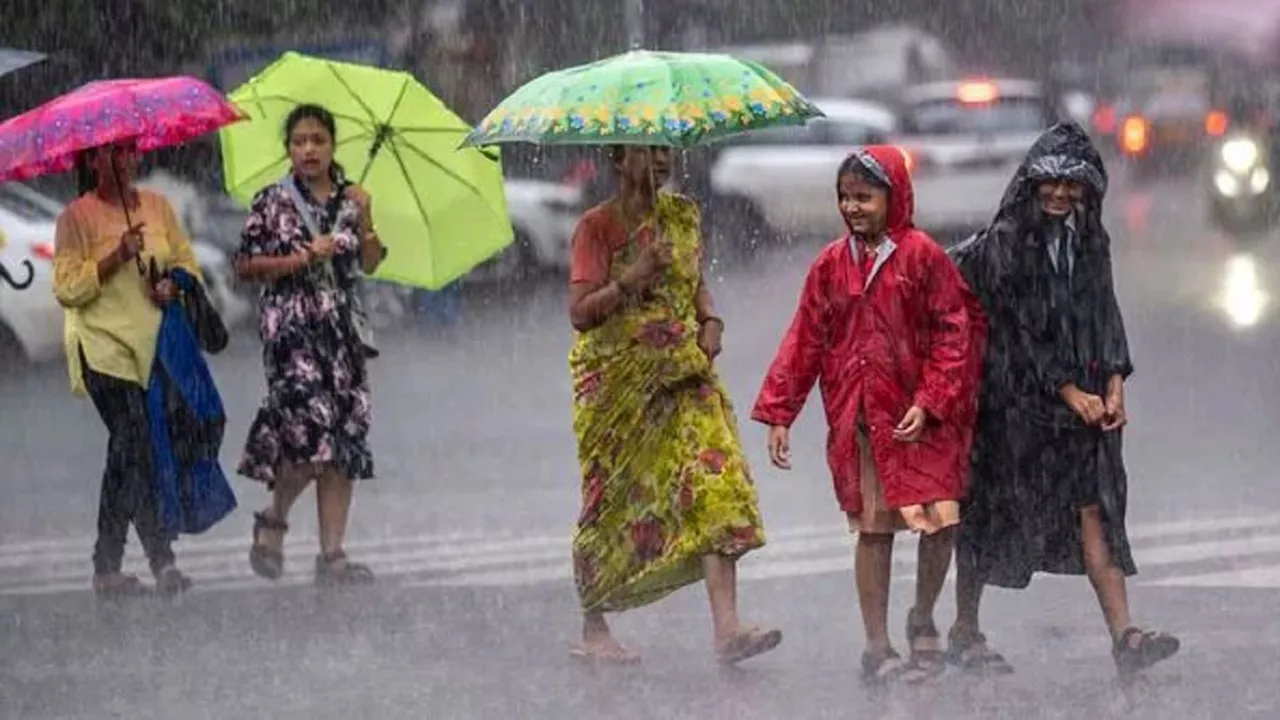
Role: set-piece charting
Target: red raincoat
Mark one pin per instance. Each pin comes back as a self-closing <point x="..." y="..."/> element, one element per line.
<point x="879" y="344"/>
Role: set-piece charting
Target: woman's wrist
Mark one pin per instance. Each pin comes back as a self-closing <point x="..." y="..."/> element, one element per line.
<point x="708" y="319"/>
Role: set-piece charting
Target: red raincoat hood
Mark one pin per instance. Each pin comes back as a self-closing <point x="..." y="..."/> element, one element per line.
<point x="890" y="162"/>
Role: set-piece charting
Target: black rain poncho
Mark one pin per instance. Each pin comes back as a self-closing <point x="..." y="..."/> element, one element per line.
<point x="1035" y="463"/>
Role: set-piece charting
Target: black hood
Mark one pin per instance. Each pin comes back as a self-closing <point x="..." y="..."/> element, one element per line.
<point x="1063" y="152"/>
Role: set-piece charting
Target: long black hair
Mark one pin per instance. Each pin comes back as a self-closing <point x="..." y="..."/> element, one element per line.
<point x="86" y="176"/>
<point x="321" y="114"/>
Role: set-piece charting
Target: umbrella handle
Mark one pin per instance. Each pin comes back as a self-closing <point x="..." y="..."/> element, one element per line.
<point x="15" y="284"/>
<point x="128" y="220"/>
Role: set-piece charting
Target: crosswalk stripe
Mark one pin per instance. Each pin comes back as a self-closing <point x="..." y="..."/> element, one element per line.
<point x="488" y="559"/>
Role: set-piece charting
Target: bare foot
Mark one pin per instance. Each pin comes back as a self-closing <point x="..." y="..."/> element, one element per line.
<point x="599" y="645"/>
<point x="610" y="653"/>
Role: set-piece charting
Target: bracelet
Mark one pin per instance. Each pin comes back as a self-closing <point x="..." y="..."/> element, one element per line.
<point x="712" y="318"/>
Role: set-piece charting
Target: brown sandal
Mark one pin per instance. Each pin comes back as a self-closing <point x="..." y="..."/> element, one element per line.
<point x="333" y="570"/>
<point x="881" y="667"/>
<point x="969" y="652"/>
<point x="748" y="644"/>
<point x="927" y="659"/>
<point x="1135" y="649"/>
<point x="171" y="582"/>
<point x="118" y="586"/>
<point x="267" y="562"/>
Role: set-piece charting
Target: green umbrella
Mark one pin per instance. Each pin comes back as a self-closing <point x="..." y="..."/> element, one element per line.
<point x="440" y="210"/>
<point x="645" y="98"/>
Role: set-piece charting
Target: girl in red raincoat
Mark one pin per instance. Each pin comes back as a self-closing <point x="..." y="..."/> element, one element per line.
<point x="883" y="326"/>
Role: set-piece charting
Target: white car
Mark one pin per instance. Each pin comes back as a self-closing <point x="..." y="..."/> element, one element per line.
<point x="965" y="140"/>
<point x="31" y="321"/>
<point x="787" y="176"/>
<point x="543" y="215"/>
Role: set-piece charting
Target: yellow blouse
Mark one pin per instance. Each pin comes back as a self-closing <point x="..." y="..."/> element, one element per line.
<point x="114" y="323"/>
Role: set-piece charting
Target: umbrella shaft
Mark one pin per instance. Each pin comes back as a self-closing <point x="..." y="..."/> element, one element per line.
<point x="633" y="21"/>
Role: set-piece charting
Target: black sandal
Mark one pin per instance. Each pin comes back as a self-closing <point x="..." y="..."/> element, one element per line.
<point x="267" y="562"/>
<point x="1151" y="647"/>
<point x="334" y="570"/>
<point x="969" y="652"/>
<point x="927" y="659"/>
<point x="881" y="667"/>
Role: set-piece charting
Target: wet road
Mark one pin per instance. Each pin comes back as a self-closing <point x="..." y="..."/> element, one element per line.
<point x="468" y="526"/>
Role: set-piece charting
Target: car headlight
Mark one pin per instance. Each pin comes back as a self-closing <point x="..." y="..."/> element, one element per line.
<point x="1240" y="154"/>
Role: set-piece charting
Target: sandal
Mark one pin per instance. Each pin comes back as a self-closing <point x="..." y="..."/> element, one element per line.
<point x="267" y="562"/>
<point x="927" y="659"/>
<point x="170" y="582"/>
<point x="118" y="586"/>
<point x="333" y="570"/>
<point x="881" y="667"/>
<point x="747" y="644"/>
<point x="604" y="654"/>
<point x="969" y="652"/>
<point x="1136" y="649"/>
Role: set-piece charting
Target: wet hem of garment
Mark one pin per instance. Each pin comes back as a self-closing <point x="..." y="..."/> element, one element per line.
<point x="684" y="572"/>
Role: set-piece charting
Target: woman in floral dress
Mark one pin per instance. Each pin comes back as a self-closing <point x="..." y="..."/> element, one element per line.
<point x="314" y="421"/>
<point x="667" y="499"/>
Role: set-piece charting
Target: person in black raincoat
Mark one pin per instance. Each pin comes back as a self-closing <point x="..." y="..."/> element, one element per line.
<point x="1048" y="483"/>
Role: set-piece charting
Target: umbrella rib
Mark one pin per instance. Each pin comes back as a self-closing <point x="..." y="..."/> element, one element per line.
<point x="259" y="99"/>
<point x="417" y="198"/>
<point x="455" y="176"/>
<point x="351" y="91"/>
<point x="260" y="174"/>
<point x="379" y="137"/>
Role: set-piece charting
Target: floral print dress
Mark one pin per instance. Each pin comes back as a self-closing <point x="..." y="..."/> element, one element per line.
<point x="317" y="409"/>
<point x="664" y="479"/>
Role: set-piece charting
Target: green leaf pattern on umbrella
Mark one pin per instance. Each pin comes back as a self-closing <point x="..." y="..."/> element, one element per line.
<point x="680" y="99"/>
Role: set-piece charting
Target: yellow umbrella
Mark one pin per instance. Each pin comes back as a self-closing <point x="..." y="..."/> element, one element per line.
<point x="439" y="209"/>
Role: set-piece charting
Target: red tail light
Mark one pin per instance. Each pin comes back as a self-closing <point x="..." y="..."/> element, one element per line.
<point x="1134" y="135"/>
<point x="1104" y="119"/>
<point x="44" y="251"/>
<point x="1216" y="123"/>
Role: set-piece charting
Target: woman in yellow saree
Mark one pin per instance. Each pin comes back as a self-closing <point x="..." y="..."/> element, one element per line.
<point x="667" y="498"/>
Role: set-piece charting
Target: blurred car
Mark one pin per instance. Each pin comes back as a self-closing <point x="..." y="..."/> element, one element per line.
<point x="543" y="216"/>
<point x="1166" y="120"/>
<point x="1241" y="186"/>
<point x="964" y="140"/>
<point x="31" y="321"/>
<point x="784" y="178"/>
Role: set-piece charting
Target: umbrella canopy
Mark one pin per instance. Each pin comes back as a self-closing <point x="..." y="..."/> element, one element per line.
<point x="12" y="60"/>
<point x="158" y="112"/>
<point x="439" y="209"/>
<point x="646" y="98"/>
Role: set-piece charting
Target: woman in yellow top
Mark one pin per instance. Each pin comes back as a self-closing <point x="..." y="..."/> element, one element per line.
<point x="113" y="312"/>
<point x="667" y="499"/>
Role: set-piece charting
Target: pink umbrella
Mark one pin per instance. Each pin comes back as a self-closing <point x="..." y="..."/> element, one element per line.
<point x="157" y="112"/>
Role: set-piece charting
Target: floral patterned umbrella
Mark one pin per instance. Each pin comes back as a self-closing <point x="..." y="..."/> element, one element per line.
<point x="646" y="98"/>
<point x="156" y="112"/>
